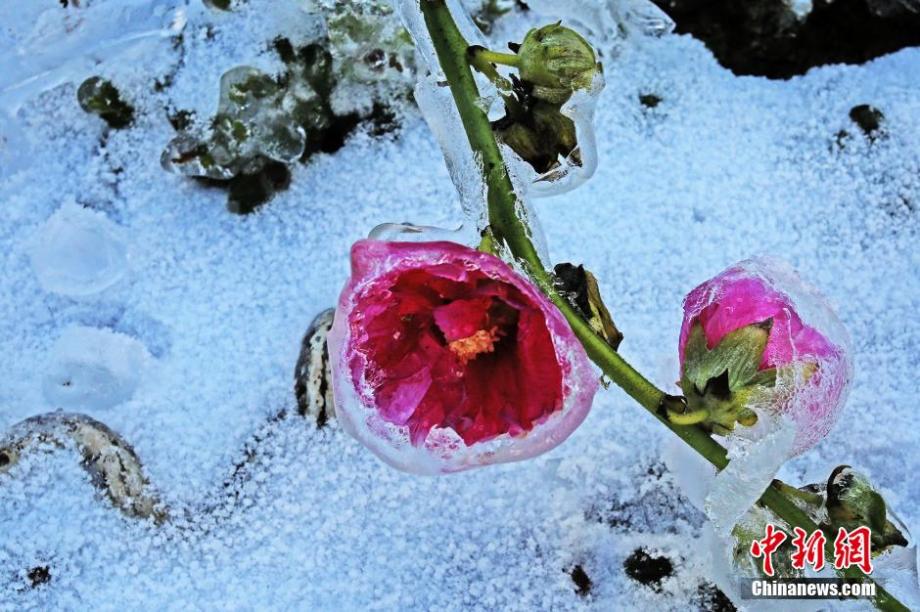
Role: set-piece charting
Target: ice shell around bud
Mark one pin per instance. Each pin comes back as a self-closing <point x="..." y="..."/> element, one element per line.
<point x="808" y="344"/>
<point x="443" y="450"/>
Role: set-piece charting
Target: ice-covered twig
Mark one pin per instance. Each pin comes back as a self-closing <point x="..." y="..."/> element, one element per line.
<point x="510" y="229"/>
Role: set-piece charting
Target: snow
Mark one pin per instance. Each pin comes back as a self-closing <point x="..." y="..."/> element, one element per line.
<point x="78" y="252"/>
<point x="271" y="513"/>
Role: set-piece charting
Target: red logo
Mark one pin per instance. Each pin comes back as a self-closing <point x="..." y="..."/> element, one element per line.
<point x="851" y="548"/>
<point x="767" y="546"/>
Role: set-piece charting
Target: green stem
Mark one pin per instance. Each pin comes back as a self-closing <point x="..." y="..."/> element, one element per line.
<point x="495" y="57"/>
<point x="478" y="59"/>
<point x="509" y="228"/>
<point x="812" y="499"/>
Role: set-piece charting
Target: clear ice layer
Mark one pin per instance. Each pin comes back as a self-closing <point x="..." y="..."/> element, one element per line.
<point x="78" y="252"/>
<point x="92" y="368"/>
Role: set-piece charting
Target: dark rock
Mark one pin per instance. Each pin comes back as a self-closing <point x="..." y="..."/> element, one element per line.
<point x="868" y="118"/>
<point x="766" y="38"/>
<point x="582" y="580"/>
<point x="648" y="570"/>
<point x="649" y="100"/>
<point x="712" y="599"/>
<point x="39" y="575"/>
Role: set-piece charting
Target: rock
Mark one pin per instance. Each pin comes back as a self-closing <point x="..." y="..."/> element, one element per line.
<point x="780" y="39"/>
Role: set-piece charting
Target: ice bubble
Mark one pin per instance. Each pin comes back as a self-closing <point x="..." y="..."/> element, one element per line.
<point x="78" y="252"/>
<point x="93" y="368"/>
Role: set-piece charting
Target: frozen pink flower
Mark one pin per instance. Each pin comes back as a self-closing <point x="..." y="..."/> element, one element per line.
<point x="803" y="362"/>
<point x="444" y="358"/>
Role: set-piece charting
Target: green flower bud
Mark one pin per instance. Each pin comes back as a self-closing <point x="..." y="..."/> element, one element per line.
<point x="852" y="502"/>
<point x="556" y="61"/>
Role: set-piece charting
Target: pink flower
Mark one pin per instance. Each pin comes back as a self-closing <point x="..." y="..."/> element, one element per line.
<point x="809" y="357"/>
<point x="444" y="358"/>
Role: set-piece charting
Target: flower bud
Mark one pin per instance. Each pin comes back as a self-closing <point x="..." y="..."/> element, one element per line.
<point x="444" y="358"/>
<point x="556" y="61"/>
<point x="853" y="503"/>
<point x="540" y="135"/>
<point x="746" y="351"/>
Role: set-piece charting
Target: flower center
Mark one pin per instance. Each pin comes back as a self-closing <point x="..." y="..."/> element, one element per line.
<point x="467" y="349"/>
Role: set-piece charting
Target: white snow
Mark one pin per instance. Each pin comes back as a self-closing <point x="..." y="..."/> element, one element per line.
<point x="722" y="169"/>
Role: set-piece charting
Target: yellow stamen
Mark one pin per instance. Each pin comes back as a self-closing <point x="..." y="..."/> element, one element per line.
<point x="467" y="349"/>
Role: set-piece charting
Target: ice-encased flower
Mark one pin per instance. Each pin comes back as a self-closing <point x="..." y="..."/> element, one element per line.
<point x="444" y="359"/>
<point x="801" y="367"/>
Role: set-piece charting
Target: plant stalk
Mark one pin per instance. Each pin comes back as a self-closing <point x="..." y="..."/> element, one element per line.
<point x="509" y="228"/>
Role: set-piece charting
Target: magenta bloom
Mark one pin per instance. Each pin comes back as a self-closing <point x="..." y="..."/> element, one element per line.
<point x="444" y="358"/>
<point x="808" y="354"/>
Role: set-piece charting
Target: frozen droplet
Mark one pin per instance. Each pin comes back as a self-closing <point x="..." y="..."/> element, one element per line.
<point x="407" y="232"/>
<point x="78" y="252"/>
<point x="93" y="368"/>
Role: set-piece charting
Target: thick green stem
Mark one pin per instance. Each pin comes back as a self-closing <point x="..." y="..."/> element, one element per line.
<point x="508" y="228"/>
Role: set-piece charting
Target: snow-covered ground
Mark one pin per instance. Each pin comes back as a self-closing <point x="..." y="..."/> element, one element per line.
<point x="196" y="325"/>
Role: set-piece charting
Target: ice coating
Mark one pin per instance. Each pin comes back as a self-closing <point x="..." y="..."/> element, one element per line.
<point x="499" y="334"/>
<point x="607" y="20"/>
<point x="438" y="109"/>
<point x="78" y="252"/>
<point x="372" y="54"/>
<point x="580" y="164"/>
<point x="408" y="232"/>
<point x="92" y="368"/>
<point x="807" y="345"/>
<point x="254" y="120"/>
<point x="65" y="45"/>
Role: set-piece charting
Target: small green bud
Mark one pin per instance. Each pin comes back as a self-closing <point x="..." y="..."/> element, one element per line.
<point x="852" y="502"/>
<point x="556" y="61"/>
